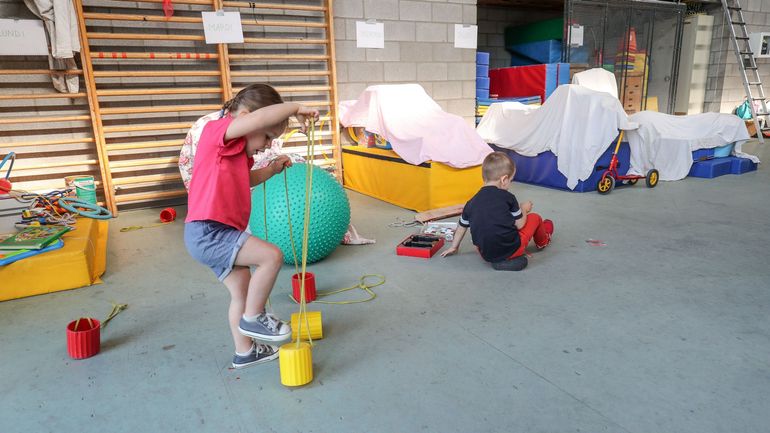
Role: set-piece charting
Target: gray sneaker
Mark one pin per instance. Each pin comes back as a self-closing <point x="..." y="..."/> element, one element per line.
<point x="266" y="328"/>
<point x="261" y="353"/>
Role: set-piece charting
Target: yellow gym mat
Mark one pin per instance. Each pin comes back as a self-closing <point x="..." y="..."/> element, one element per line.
<point x="384" y="175"/>
<point x="80" y="262"/>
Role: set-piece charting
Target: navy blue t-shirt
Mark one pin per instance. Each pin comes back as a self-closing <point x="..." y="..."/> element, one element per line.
<point x="491" y="214"/>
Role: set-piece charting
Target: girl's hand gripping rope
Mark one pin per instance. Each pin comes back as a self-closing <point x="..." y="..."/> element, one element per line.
<point x="305" y="116"/>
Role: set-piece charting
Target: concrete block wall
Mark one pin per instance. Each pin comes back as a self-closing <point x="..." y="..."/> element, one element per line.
<point x="419" y="48"/>
<point x="724" y="87"/>
<point x="492" y="23"/>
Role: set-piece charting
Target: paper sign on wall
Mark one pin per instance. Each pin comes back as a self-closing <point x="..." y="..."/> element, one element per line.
<point x="222" y="27"/>
<point x="22" y="38"/>
<point x="576" y="35"/>
<point x="370" y="35"/>
<point x="465" y="36"/>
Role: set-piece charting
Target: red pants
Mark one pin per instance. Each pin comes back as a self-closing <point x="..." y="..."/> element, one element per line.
<point x="532" y="229"/>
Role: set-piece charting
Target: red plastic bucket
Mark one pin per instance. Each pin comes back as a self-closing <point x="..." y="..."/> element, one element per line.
<point x="309" y="286"/>
<point x="167" y="215"/>
<point x="83" y="338"/>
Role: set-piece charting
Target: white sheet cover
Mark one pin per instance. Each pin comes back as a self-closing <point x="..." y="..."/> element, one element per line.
<point x="598" y="79"/>
<point x="415" y="125"/>
<point x="666" y="142"/>
<point x="577" y="124"/>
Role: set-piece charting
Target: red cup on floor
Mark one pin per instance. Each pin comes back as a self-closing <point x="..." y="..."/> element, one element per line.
<point x="83" y="338"/>
<point x="167" y="215"/>
<point x="309" y="286"/>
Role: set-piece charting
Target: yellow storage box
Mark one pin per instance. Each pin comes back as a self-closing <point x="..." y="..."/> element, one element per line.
<point x="384" y="175"/>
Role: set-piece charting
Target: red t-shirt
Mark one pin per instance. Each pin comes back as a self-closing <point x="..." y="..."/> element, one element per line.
<point x="220" y="186"/>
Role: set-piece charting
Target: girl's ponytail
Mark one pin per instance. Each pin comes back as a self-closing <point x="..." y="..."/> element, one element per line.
<point x="253" y="97"/>
<point x="230" y="105"/>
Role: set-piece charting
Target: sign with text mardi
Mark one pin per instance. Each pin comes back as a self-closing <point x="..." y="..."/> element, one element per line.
<point x="222" y="27"/>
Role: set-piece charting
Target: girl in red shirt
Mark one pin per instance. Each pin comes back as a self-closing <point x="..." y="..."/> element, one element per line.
<point x="219" y="204"/>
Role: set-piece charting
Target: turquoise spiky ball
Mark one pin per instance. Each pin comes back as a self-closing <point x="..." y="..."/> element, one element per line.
<point x="329" y="213"/>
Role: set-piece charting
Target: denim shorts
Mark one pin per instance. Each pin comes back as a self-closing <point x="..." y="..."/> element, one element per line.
<point x="214" y="244"/>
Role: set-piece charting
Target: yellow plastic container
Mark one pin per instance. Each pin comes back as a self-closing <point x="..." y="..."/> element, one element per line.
<point x="296" y="364"/>
<point x="313" y="321"/>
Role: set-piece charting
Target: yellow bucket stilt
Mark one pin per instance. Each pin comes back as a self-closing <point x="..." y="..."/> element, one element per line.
<point x="296" y="364"/>
<point x="314" y="323"/>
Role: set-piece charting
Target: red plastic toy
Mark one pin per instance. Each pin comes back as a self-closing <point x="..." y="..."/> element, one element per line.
<point x="310" y="292"/>
<point x="424" y="246"/>
<point x="83" y="338"/>
<point x="610" y="176"/>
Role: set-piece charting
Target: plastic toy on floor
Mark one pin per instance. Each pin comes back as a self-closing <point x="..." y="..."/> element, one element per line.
<point x="5" y="182"/>
<point x="420" y="245"/>
<point x="611" y="176"/>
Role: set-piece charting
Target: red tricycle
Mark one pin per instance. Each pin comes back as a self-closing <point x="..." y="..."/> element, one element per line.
<point x="610" y="176"/>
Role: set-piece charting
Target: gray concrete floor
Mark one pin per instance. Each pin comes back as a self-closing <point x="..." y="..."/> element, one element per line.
<point x="665" y="329"/>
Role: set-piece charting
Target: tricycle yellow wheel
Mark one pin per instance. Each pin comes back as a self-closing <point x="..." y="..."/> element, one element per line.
<point x="605" y="184"/>
<point x="652" y="178"/>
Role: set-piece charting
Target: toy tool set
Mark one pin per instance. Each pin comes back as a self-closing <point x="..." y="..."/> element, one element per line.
<point x="420" y="245"/>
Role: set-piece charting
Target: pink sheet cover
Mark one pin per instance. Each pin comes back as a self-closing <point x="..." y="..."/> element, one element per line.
<point x="415" y="125"/>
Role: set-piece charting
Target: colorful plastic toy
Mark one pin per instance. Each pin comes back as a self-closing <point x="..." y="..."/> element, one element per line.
<point x="422" y="245"/>
<point x="5" y="182"/>
<point x="610" y="177"/>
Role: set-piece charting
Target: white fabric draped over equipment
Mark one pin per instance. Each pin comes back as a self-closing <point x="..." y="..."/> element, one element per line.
<point x="598" y="79"/>
<point x="577" y="124"/>
<point x="666" y="142"/>
<point x="415" y="125"/>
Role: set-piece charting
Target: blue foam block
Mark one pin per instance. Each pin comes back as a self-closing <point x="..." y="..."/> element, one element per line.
<point x="482" y="71"/>
<point x="482" y="93"/>
<point x="482" y="58"/>
<point x="723" y="151"/>
<point x="542" y="169"/>
<point x="701" y="154"/>
<point x="563" y="74"/>
<point x="556" y="75"/>
<point x="482" y="83"/>
<point x="517" y="60"/>
<point x="711" y="168"/>
<point x="741" y="165"/>
<point x="548" y="51"/>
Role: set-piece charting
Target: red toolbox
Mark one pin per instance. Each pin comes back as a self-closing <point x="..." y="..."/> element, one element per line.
<point x="420" y="245"/>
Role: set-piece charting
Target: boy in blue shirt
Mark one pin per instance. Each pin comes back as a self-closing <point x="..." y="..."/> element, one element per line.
<point x="500" y="228"/>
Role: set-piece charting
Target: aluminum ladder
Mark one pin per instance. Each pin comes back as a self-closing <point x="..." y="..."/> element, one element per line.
<point x="747" y="63"/>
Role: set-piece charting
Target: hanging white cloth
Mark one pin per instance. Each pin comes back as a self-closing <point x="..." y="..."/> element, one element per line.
<point x="666" y="142"/>
<point x="598" y="79"/>
<point x="576" y="123"/>
<point x="415" y="125"/>
<point x="61" y="23"/>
